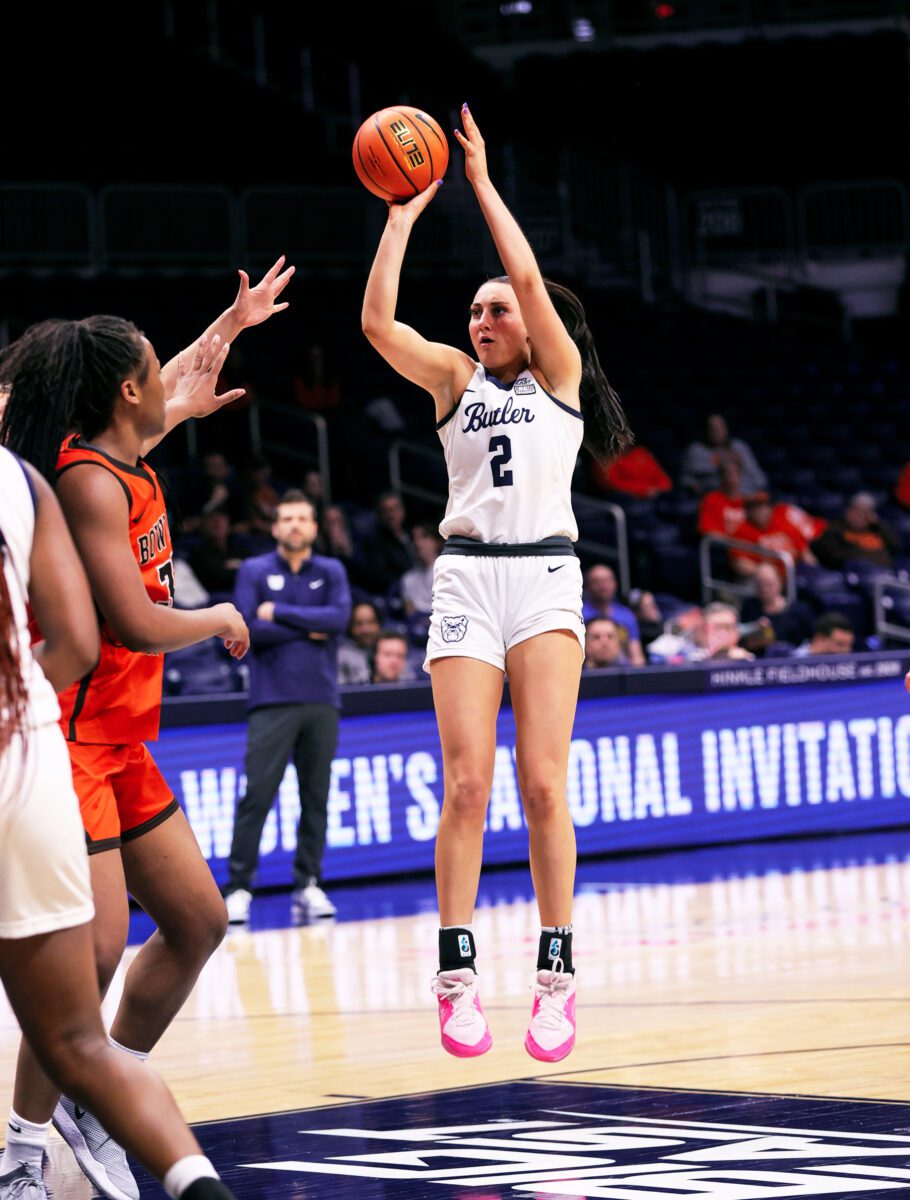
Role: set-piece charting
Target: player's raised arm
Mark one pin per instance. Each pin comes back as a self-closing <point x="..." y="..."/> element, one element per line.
<point x="441" y="370"/>
<point x="94" y="505"/>
<point x="554" y="350"/>
<point x="252" y="306"/>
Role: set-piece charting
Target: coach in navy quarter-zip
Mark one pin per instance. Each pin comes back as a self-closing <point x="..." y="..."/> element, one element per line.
<point x="294" y="653"/>
<point x="296" y="605"/>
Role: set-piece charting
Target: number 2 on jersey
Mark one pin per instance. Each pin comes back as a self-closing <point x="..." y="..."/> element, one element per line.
<point x="503" y="448"/>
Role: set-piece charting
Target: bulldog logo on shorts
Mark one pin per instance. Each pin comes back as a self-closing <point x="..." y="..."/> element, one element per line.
<point x="454" y="628"/>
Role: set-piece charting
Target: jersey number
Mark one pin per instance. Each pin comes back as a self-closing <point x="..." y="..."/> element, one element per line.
<point x="166" y="576"/>
<point x="503" y="448"/>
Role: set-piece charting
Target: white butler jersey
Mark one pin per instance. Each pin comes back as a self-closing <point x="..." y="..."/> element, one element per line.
<point x="510" y="451"/>
<point x="17" y="529"/>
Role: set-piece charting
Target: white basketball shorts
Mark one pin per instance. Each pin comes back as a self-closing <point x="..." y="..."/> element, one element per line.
<point x="483" y="606"/>
<point x="44" y="876"/>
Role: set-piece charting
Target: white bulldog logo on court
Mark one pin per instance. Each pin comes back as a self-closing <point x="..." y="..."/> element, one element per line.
<point x="454" y="628"/>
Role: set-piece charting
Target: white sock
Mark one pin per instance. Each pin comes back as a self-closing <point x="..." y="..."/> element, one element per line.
<point x="142" y="1055"/>
<point x="185" y="1173"/>
<point x="26" y="1142"/>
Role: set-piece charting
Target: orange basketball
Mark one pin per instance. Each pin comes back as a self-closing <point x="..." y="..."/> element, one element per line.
<point x="399" y="152"/>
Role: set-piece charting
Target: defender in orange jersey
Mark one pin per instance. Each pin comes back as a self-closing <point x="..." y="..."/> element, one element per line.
<point x="87" y="399"/>
<point x="108" y="715"/>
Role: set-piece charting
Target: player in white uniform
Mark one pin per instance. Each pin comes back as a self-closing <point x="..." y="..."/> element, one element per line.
<point x="507" y="587"/>
<point x="47" y="958"/>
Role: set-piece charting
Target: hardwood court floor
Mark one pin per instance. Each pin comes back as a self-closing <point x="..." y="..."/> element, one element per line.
<point x="785" y="980"/>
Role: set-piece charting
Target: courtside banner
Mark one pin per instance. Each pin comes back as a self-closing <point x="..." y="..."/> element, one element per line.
<point x="644" y="772"/>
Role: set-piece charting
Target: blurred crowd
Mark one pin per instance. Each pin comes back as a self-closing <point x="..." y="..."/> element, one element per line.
<point x="225" y="516"/>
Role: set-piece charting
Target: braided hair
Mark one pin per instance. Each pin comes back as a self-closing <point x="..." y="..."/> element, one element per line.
<point x="64" y="376"/>
<point x="607" y="431"/>
<point x="13" y="690"/>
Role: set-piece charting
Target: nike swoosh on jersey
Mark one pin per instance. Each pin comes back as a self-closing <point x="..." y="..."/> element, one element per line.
<point x="550" y="570"/>
<point x="317" y="583"/>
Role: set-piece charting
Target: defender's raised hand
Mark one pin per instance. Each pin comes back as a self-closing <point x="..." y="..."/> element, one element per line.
<point x="198" y="377"/>
<point x="253" y="305"/>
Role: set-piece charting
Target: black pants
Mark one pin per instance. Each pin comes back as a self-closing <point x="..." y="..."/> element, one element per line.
<point x="309" y="733"/>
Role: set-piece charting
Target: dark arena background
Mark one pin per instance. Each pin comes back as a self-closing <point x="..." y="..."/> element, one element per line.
<point x="726" y="184"/>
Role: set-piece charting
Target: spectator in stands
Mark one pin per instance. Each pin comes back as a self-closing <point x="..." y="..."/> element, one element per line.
<point x="901" y="488"/>
<point x="648" y="615"/>
<point x="234" y="376"/>
<point x="776" y="527"/>
<point x="261" y="497"/>
<point x="700" y="470"/>
<point x="833" y="634"/>
<point x="390" y="658"/>
<point x="861" y="536"/>
<point x="336" y="538"/>
<point x="682" y="642"/>
<point x="635" y="473"/>
<point x="315" y="385"/>
<point x="719" y="636"/>
<point x="784" y="622"/>
<point x="603" y="645"/>
<point x="723" y="509"/>
<point x="387" y="553"/>
<point x="600" y="601"/>
<point x="669" y="636"/>
<point x="219" y="488"/>
<point x="417" y="584"/>
<point x="314" y="490"/>
<point x="216" y="557"/>
<point x="356" y="649"/>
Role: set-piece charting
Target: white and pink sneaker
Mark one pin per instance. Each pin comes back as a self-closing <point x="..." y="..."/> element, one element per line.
<point x="463" y="1026"/>
<point x="551" y="1033"/>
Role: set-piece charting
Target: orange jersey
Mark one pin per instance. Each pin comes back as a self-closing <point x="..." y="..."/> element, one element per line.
<point x="720" y="513"/>
<point x="902" y="487"/>
<point x="120" y="700"/>
<point x="637" y="473"/>
<point x="790" y="529"/>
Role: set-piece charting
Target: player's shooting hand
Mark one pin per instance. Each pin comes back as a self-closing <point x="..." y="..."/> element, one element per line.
<point x="198" y="377"/>
<point x="266" y="610"/>
<point x="475" y="151"/>
<point x="404" y="215"/>
<point x="253" y="305"/>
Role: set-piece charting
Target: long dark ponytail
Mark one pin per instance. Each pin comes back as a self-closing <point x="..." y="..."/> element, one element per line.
<point x="607" y="431"/>
<point x="64" y="376"/>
